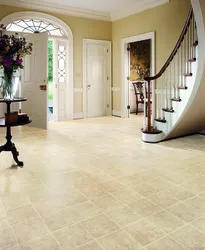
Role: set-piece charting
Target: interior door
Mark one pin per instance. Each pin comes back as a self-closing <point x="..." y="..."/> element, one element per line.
<point x="97" y="76"/>
<point x="34" y="75"/>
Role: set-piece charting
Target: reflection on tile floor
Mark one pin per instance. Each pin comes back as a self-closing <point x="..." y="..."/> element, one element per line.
<point x="93" y="184"/>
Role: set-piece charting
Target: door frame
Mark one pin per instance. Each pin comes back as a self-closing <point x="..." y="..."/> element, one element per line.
<point x="108" y="90"/>
<point x="125" y="91"/>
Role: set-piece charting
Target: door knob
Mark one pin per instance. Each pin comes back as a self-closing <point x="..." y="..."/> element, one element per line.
<point x="88" y="86"/>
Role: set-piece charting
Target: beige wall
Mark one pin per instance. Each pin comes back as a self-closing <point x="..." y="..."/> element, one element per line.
<point x="166" y="20"/>
<point x="81" y="28"/>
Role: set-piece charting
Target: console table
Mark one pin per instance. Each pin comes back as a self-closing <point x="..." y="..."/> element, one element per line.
<point x="9" y="146"/>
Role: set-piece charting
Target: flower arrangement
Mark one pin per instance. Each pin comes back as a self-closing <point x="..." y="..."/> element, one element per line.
<point x="13" y="48"/>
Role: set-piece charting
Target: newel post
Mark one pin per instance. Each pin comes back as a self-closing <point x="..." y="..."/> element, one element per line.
<point x="148" y="106"/>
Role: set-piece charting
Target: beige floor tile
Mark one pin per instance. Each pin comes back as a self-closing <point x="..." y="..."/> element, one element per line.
<point x="7" y="239"/>
<point x="72" y="237"/>
<point x="179" y="193"/>
<point x="44" y="243"/>
<point x="14" y="248"/>
<point x="90" y="246"/>
<point x="4" y="222"/>
<point x="59" y="219"/>
<point x="108" y="203"/>
<point x="21" y="214"/>
<point x="145" y="189"/>
<point x="2" y="211"/>
<point x="190" y="237"/>
<point x="124" y="216"/>
<point x="144" y="232"/>
<point x="130" y="181"/>
<point x="85" y="211"/>
<point x="199" y="224"/>
<point x="29" y="230"/>
<point x="165" y="243"/>
<point x="14" y="200"/>
<point x="162" y="200"/>
<point x="197" y="202"/>
<point x="99" y="226"/>
<point x="127" y="195"/>
<point x="119" y="240"/>
<point x="49" y="205"/>
<point x="185" y="212"/>
<point x="160" y="184"/>
<point x="73" y="198"/>
<point x="112" y="186"/>
<point x="100" y="178"/>
<point x="145" y="207"/>
<point x="93" y="191"/>
<point x="166" y="221"/>
<point x="73" y="175"/>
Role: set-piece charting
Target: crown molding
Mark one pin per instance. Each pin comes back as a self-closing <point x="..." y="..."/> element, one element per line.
<point x="86" y="13"/>
<point x="136" y="8"/>
<point x="60" y="9"/>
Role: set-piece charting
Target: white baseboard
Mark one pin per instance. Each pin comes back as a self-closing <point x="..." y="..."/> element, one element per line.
<point x="78" y="116"/>
<point x="116" y="113"/>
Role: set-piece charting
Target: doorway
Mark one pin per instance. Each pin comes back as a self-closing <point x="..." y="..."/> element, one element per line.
<point x="125" y="68"/>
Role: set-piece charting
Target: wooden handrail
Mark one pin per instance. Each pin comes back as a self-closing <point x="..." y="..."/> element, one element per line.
<point x="180" y="40"/>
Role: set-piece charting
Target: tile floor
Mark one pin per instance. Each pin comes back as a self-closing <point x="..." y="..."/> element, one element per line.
<point x="93" y="184"/>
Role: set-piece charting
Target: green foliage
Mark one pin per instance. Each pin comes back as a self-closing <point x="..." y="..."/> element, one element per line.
<point x="50" y="61"/>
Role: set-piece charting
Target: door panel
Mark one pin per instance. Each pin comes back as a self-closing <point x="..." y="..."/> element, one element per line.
<point x="34" y="75"/>
<point x="96" y="79"/>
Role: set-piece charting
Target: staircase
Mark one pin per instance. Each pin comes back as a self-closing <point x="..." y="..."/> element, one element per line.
<point x="171" y="91"/>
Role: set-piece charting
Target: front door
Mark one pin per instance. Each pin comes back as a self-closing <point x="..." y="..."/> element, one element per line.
<point x="33" y="76"/>
<point x="97" y="74"/>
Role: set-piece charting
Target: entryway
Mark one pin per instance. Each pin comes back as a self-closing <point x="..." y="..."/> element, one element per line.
<point x="47" y="78"/>
<point x="134" y="67"/>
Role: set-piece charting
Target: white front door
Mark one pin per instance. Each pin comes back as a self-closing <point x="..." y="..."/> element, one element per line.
<point x="34" y="75"/>
<point x="97" y="78"/>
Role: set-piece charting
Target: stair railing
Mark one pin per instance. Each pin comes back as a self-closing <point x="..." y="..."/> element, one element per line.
<point x="172" y="76"/>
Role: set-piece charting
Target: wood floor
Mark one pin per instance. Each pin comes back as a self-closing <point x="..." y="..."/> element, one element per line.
<point x="93" y="184"/>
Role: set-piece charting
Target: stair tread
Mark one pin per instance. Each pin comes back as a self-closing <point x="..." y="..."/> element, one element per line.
<point x="192" y="60"/>
<point x="176" y="99"/>
<point x="160" y="120"/>
<point x="182" y="87"/>
<point x="168" y="110"/>
<point x="188" y="74"/>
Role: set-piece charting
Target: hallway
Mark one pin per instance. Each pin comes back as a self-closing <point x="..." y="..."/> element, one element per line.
<point x="93" y="184"/>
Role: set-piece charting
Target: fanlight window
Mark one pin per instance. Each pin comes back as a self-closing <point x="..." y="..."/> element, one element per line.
<point x="34" y="26"/>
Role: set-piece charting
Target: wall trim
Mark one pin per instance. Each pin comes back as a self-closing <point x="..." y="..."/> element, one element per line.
<point x="115" y="89"/>
<point x="82" y="12"/>
<point x="116" y="113"/>
<point x="78" y="115"/>
<point x="78" y="90"/>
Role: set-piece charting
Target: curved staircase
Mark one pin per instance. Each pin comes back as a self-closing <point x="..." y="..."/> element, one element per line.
<point x="175" y="86"/>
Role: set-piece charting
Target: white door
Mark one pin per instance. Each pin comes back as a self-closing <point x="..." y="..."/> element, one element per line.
<point x="34" y="75"/>
<point x="97" y="78"/>
<point x="60" y="76"/>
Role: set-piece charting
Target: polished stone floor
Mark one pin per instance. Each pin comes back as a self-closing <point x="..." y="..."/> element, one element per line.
<point x="93" y="184"/>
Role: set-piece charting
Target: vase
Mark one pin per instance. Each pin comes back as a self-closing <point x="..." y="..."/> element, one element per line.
<point x="9" y="83"/>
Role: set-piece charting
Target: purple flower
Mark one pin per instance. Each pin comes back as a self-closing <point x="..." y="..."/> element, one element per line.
<point x="19" y="61"/>
<point x="8" y="62"/>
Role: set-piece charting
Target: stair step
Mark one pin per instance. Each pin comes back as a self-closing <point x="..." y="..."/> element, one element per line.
<point x="182" y="87"/>
<point x="160" y="120"/>
<point x="192" y="60"/>
<point x="195" y="43"/>
<point x="176" y="99"/>
<point x="188" y="74"/>
<point x="168" y="110"/>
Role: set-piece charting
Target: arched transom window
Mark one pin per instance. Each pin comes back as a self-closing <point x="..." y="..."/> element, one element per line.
<point x="35" y="26"/>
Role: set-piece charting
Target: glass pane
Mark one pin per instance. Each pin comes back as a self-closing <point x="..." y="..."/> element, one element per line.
<point x="61" y="64"/>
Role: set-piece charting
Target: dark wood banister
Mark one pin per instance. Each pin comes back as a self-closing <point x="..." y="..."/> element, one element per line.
<point x="181" y="38"/>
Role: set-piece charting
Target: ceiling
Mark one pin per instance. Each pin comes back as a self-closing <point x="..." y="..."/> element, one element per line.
<point x="97" y="9"/>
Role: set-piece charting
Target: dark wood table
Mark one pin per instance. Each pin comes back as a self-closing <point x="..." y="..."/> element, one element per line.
<point x="10" y="146"/>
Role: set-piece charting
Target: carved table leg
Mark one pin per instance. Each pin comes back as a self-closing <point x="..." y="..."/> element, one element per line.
<point x="15" y="154"/>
